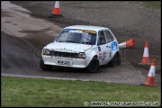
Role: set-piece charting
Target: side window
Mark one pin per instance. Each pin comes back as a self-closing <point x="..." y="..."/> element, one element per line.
<point x="108" y="35"/>
<point x="101" y="39"/>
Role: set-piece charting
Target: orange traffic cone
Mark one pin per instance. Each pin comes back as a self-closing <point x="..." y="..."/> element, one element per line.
<point x="56" y="10"/>
<point x="128" y="44"/>
<point x="150" y="80"/>
<point x="145" y="59"/>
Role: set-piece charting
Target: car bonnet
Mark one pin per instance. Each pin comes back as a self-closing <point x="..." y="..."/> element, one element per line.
<point x="68" y="47"/>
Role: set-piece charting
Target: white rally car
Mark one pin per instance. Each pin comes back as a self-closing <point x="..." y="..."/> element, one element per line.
<point x="82" y="46"/>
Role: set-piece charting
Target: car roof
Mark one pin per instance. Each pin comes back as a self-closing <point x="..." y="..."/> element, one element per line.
<point x="86" y="27"/>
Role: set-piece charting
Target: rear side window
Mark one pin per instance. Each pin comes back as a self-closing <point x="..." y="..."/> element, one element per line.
<point x="101" y="39"/>
<point x="108" y="36"/>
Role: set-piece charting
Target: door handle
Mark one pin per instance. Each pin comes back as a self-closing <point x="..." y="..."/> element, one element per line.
<point x="107" y="46"/>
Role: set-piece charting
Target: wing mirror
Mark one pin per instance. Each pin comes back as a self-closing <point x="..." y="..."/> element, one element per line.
<point x="55" y="38"/>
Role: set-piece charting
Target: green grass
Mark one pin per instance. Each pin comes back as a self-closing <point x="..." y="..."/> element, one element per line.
<point x="57" y="93"/>
<point x="154" y="4"/>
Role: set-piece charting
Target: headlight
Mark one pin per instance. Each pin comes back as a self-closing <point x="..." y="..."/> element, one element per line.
<point x="82" y="55"/>
<point x="46" y="52"/>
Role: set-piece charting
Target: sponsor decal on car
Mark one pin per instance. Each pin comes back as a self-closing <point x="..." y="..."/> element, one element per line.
<point x="88" y="31"/>
<point x="100" y="55"/>
<point x="114" y="46"/>
<point x="104" y="56"/>
<point x="110" y="53"/>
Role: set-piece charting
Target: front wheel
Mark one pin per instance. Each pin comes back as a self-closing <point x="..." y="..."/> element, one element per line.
<point x="93" y="65"/>
<point x="45" y="67"/>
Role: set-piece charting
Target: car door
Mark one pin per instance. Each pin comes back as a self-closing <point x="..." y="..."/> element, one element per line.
<point x="111" y="44"/>
<point x="104" y="49"/>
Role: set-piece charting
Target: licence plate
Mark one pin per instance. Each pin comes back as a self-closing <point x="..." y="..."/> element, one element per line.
<point x="61" y="62"/>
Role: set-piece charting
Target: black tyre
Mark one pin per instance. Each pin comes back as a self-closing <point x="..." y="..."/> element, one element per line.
<point x="93" y="65"/>
<point x="119" y="59"/>
<point x="45" y="67"/>
<point x="114" y="61"/>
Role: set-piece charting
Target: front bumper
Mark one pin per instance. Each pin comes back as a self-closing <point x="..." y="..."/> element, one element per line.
<point x="74" y="62"/>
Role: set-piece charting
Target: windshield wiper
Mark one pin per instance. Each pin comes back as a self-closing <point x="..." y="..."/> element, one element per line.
<point x="60" y="41"/>
<point x="90" y="43"/>
<point x="71" y="41"/>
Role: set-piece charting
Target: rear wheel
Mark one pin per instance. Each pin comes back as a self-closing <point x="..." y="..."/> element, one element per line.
<point x="119" y="59"/>
<point x="45" y="67"/>
<point x="93" y="65"/>
<point x="116" y="60"/>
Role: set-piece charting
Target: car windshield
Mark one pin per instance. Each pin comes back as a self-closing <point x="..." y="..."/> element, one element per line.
<point x="77" y="36"/>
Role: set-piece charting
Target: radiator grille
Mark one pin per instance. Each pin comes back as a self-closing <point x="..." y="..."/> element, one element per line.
<point x="64" y="54"/>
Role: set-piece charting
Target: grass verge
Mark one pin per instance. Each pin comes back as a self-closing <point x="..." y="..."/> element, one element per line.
<point x="154" y="4"/>
<point x="58" y="93"/>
